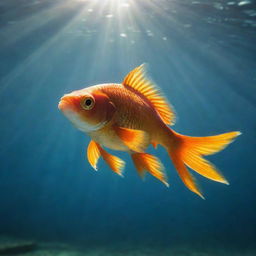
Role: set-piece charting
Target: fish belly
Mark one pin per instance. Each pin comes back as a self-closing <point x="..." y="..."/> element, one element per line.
<point x="109" y="139"/>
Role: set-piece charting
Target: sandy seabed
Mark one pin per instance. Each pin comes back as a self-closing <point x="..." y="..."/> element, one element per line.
<point x="14" y="246"/>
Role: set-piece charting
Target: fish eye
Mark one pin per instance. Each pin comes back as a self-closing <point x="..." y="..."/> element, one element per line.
<point x="87" y="103"/>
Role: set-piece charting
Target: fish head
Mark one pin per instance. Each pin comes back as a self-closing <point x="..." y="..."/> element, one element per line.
<point x="88" y="110"/>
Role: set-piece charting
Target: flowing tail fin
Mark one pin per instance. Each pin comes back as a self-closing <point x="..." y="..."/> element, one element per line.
<point x="189" y="151"/>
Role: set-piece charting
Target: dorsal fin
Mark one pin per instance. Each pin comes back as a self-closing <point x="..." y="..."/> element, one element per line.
<point x="137" y="80"/>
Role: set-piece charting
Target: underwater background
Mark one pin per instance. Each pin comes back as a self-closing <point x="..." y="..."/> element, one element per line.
<point x="202" y="54"/>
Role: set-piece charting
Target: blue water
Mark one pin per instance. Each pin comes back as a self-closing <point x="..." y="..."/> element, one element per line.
<point x="202" y="54"/>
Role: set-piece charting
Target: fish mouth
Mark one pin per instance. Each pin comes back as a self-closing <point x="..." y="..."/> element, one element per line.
<point x="65" y="103"/>
<point x="62" y="105"/>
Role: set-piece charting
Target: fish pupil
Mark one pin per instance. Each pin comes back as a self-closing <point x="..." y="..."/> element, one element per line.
<point x="88" y="102"/>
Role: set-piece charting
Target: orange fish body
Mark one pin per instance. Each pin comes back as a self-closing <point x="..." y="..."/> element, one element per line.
<point x="131" y="116"/>
<point x="132" y="112"/>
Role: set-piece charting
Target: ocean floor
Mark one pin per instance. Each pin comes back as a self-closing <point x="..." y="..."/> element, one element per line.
<point x="13" y="246"/>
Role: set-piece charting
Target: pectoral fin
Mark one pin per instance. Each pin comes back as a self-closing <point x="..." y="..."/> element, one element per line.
<point x="93" y="154"/>
<point x="94" y="151"/>
<point x="136" y="140"/>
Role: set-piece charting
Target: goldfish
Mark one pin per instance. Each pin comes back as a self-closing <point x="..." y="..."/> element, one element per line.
<point x="130" y="117"/>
